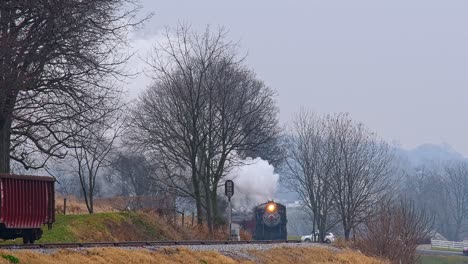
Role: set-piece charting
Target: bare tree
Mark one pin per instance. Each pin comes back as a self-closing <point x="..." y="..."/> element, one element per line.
<point x="133" y="174"/>
<point x="167" y="117"/>
<point x="455" y="190"/>
<point x="361" y="173"/>
<point x="91" y="154"/>
<point x="58" y="65"/>
<point x="204" y="109"/>
<point x="309" y="165"/>
<point x="240" y="116"/>
<point x="67" y="184"/>
<point x="395" y="231"/>
<point x="420" y="185"/>
<point x="442" y="190"/>
<point x="271" y="150"/>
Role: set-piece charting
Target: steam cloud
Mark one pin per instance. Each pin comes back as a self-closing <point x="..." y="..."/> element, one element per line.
<point x="254" y="183"/>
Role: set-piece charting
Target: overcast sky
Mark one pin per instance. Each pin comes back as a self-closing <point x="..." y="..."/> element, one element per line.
<point x="399" y="66"/>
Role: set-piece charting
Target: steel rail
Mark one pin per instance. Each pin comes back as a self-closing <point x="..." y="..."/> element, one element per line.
<point x="145" y="244"/>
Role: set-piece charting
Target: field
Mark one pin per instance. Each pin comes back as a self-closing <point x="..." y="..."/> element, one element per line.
<point x="447" y="249"/>
<point x="443" y="260"/>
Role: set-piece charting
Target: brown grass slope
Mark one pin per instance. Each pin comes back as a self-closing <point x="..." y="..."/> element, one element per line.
<point x="110" y="223"/>
<point x="181" y="255"/>
<point x="121" y="226"/>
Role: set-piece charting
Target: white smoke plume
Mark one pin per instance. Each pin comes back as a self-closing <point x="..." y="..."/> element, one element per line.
<point x="254" y="183"/>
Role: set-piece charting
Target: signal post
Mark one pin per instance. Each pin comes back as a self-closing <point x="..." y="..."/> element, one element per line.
<point x="229" y="191"/>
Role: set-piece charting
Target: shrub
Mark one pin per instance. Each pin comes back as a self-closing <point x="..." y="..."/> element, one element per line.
<point x="395" y="232"/>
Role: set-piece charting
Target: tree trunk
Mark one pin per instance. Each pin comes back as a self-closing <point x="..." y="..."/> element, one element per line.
<point x="214" y="205"/>
<point x="347" y="232"/>
<point x="87" y="195"/>
<point x="321" y="227"/>
<point x="196" y="192"/>
<point x="92" y="182"/>
<point x="87" y="199"/>
<point x="209" y="208"/>
<point x="209" y="217"/>
<point x="5" y="131"/>
<point x="314" y="222"/>
<point x="456" y="235"/>
<point x="91" y="203"/>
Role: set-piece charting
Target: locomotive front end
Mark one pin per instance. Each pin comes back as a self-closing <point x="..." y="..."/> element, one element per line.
<point x="271" y="217"/>
<point x="270" y="221"/>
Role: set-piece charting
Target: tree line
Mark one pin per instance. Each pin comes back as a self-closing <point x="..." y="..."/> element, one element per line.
<point x="442" y="188"/>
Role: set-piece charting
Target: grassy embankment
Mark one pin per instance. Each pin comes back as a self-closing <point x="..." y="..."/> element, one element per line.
<point x="103" y="227"/>
<point x="115" y="255"/>
<point x="121" y="226"/>
<point x="132" y="226"/>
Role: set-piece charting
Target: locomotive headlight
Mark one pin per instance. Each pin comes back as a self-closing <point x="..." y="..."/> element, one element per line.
<point x="271" y="207"/>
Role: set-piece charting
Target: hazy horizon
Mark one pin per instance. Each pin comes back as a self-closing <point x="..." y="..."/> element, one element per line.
<point x="398" y="67"/>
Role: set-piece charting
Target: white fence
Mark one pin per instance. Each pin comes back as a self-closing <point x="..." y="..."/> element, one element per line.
<point x="449" y="244"/>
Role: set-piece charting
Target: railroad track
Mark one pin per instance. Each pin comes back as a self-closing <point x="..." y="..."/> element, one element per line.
<point x="144" y="244"/>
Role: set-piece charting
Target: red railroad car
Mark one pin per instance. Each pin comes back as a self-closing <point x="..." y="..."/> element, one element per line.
<point x="26" y="204"/>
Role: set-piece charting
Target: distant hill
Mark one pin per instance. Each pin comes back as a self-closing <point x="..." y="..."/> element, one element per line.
<point x="429" y="153"/>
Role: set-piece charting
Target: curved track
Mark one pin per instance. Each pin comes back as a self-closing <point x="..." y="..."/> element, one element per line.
<point x="144" y="244"/>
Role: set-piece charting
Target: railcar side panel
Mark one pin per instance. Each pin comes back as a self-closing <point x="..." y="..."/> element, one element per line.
<point x="26" y="202"/>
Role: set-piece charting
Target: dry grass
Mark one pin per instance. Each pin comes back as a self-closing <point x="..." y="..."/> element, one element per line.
<point x="115" y="255"/>
<point x="314" y="255"/>
<point x="343" y="244"/>
<point x="109" y="204"/>
<point x="76" y="206"/>
<point x="115" y="230"/>
<point x="125" y="226"/>
<point x="163" y="223"/>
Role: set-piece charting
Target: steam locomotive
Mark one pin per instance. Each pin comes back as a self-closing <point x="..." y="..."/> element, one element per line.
<point x="270" y="221"/>
<point x="266" y="221"/>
